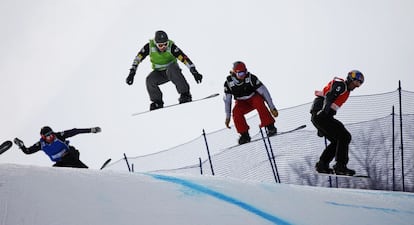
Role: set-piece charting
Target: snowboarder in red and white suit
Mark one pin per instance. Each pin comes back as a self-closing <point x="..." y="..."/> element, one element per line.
<point x="324" y="108"/>
<point x="250" y="94"/>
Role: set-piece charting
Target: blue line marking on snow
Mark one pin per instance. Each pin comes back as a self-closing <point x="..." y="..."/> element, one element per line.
<point x="386" y="210"/>
<point x="222" y="197"/>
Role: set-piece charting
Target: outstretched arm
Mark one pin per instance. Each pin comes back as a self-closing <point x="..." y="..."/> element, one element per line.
<point x="32" y="149"/>
<point x="75" y="131"/>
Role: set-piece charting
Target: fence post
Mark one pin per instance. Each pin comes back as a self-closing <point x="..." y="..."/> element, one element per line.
<point x="273" y="158"/>
<point x="126" y="160"/>
<point x="268" y="155"/>
<point x="208" y="153"/>
<point x="401" y="138"/>
<point x="201" y="165"/>
<point x="393" y="148"/>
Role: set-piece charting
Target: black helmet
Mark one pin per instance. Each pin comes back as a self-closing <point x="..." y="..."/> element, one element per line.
<point x="46" y="130"/>
<point x="161" y="37"/>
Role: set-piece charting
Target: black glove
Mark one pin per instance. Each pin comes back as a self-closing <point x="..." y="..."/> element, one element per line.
<point x="130" y="78"/>
<point x="19" y="143"/>
<point x="96" y="129"/>
<point x="198" y="77"/>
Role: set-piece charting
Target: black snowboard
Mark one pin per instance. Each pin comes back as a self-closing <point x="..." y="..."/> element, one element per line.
<point x="346" y="176"/>
<point x="5" y="146"/>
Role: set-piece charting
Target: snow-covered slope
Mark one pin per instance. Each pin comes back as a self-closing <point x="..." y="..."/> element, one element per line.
<point x="44" y="196"/>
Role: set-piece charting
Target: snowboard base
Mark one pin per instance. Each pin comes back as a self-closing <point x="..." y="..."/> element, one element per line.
<point x="346" y="176"/>
<point x="5" y="146"/>
<point x="167" y="106"/>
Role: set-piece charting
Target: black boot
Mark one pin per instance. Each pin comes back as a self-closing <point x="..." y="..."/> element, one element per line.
<point x="271" y="130"/>
<point x="322" y="167"/>
<point x="156" y="105"/>
<point x="244" y="138"/>
<point x="185" y="97"/>
<point x="341" y="169"/>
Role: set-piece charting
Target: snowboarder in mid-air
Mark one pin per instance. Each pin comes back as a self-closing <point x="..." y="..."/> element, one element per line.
<point x="324" y="108"/>
<point x="163" y="54"/>
<point x="55" y="145"/>
<point x="250" y="94"/>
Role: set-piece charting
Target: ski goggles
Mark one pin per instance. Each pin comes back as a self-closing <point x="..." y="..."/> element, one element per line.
<point x="241" y="74"/>
<point x="161" y="45"/>
<point x="48" y="137"/>
<point x="360" y="80"/>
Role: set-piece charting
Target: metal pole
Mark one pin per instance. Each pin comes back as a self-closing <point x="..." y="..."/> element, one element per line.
<point x="401" y="138"/>
<point x="268" y="155"/>
<point x="393" y="148"/>
<point x="273" y="158"/>
<point x="208" y="153"/>
<point x="201" y="165"/>
<point x="126" y="160"/>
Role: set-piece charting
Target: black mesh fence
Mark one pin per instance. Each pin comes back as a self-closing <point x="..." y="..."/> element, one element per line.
<point x="376" y="149"/>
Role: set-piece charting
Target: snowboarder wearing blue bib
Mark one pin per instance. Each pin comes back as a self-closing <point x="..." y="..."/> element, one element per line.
<point x="163" y="55"/>
<point x="55" y="145"/>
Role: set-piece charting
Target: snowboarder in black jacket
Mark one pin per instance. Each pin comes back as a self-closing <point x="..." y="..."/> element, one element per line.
<point x="55" y="145"/>
<point x="324" y="108"/>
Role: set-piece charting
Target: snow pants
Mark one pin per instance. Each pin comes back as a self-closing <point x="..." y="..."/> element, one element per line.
<point x="172" y="73"/>
<point x="242" y="107"/>
<point x="71" y="159"/>
<point x="338" y="136"/>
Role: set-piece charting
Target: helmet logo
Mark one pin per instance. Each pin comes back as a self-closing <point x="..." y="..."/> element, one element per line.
<point x="356" y="75"/>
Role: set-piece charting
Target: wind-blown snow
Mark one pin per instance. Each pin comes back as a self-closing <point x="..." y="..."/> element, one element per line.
<point x="65" y="196"/>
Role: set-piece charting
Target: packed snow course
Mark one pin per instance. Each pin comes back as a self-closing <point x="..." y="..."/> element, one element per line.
<point x="66" y="196"/>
